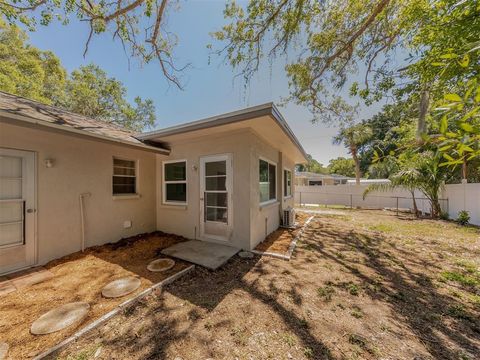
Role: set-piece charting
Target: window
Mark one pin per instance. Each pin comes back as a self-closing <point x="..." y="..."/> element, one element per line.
<point x="268" y="181"/>
<point x="124" y="177"/>
<point x="287" y="183"/>
<point x="175" y="182"/>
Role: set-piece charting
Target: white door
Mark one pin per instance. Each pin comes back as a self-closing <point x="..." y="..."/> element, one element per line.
<point x="17" y="209"/>
<point x="216" y="222"/>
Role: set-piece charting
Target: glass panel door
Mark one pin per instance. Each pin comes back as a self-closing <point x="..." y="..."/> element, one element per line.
<point x="215" y="192"/>
<point x="12" y="208"/>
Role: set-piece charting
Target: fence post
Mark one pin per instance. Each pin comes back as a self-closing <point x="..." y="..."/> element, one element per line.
<point x="397" y="205"/>
<point x="300" y="199"/>
<point x="351" y="201"/>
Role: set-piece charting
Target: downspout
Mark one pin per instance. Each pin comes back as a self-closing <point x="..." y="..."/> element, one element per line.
<point x="82" y="217"/>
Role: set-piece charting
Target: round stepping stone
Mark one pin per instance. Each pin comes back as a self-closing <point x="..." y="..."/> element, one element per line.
<point x="3" y="350"/>
<point x="60" y="318"/>
<point x="121" y="287"/>
<point x="160" y="265"/>
<point x="245" y="254"/>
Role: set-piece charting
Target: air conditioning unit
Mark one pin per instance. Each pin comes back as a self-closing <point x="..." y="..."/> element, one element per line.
<point x="288" y="218"/>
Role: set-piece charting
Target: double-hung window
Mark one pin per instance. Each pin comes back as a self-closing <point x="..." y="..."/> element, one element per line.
<point x="287" y="183"/>
<point x="268" y="181"/>
<point x="124" y="181"/>
<point x="175" y="182"/>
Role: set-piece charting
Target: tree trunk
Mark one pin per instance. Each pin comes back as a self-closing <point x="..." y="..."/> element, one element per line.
<point x="422" y="113"/>
<point x="436" y="208"/>
<point x="358" y="174"/>
<point x="415" y="207"/>
<point x="464" y="170"/>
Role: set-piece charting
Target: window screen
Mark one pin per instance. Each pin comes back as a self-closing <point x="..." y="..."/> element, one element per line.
<point x="175" y="182"/>
<point x="268" y="183"/>
<point x="124" y="177"/>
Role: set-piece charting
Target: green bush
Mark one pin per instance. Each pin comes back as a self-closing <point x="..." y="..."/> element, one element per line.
<point x="463" y="217"/>
<point x="444" y="215"/>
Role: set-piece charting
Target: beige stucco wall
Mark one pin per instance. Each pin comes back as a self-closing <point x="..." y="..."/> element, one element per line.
<point x="266" y="219"/>
<point x="81" y="166"/>
<point x="251" y="223"/>
<point x="185" y="220"/>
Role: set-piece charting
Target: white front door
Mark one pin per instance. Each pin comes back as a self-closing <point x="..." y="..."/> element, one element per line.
<point x="216" y="222"/>
<point x="17" y="209"/>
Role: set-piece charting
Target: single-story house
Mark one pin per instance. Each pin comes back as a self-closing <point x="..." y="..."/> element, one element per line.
<point x="68" y="182"/>
<point x="368" y="181"/>
<point x="305" y="178"/>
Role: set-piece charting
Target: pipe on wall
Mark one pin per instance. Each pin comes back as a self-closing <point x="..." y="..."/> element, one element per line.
<point x="82" y="216"/>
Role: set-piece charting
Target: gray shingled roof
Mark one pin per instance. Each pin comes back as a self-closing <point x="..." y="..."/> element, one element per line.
<point x="17" y="105"/>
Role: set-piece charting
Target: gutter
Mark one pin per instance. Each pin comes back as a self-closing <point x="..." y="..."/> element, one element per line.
<point x="32" y="122"/>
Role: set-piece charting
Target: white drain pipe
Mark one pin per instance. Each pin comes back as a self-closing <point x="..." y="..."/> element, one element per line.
<point x="82" y="217"/>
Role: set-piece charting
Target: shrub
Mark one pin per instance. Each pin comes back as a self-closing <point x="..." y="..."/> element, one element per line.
<point x="463" y="217"/>
<point x="444" y="215"/>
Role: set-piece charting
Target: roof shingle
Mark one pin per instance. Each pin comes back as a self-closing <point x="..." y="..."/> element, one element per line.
<point x="17" y="105"/>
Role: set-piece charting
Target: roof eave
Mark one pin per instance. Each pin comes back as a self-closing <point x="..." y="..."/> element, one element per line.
<point x="72" y="131"/>
<point x="268" y="109"/>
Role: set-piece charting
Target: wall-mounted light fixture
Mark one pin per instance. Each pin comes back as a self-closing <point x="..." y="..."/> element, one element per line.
<point x="49" y="163"/>
<point x="194" y="167"/>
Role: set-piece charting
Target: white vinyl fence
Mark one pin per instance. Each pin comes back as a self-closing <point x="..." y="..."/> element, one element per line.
<point x="453" y="199"/>
<point x="463" y="197"/>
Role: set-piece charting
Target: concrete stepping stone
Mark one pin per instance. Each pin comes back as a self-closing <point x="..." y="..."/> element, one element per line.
<point x="245" y="255"/>
<point x="121" y="287"/>
<point x="3" y="350"/>
<point x="60" y="318"/>
<point x="160" y="265"/>
<point x="30" y="277"/>
<point x="6" y="287"/>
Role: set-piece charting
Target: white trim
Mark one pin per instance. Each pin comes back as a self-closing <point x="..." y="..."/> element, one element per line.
<point x="126" y="197"/>
<point x="284" y="183"/>
<point x="29" y="197"/>
<point x="164" y="183"/>
<point x="270" y="162"/>
<point x="228" y="226"/>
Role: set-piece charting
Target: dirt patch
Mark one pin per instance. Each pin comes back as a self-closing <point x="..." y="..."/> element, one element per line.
<point x="80" y="277"/>
<point x="279" y="241"/>
<point x="368" y="285"/>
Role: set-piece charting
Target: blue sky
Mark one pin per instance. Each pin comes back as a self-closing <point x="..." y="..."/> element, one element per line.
<point x="210" y="88"/>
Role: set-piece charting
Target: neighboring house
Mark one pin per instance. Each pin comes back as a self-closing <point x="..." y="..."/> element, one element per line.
<point x="305" y="178"/>
<point x="68" y="182"/>
<point x="368" y="181"/>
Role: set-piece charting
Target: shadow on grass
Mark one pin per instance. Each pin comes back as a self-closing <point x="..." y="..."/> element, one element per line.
<point x="415" y="300"/>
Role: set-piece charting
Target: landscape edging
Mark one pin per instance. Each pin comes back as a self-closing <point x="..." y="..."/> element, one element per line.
<point x="291" y="248"/>
<point x="113" y="313"/>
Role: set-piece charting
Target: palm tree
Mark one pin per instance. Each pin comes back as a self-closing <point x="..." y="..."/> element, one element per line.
<point x="422" y="172"/>
<point x="353" y="138"/>
<point x="407" y="178"/>
<point x="432" y="178"/>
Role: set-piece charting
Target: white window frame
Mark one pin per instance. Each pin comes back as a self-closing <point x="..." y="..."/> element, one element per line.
<point x="164" y="183"/>
<point x="137" y="172"/>
<point x="274" y="200"/>
<point x="288" y="196"/>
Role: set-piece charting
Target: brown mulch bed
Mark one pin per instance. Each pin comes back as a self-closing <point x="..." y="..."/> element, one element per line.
<point x="366" y="285"/>
<point x="279" y="241"/>
<point x="80" y="277"/>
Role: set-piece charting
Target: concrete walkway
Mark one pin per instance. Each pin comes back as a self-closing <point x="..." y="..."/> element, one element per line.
<point x="19" y="280"/>
<point x="206" y="254"/>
